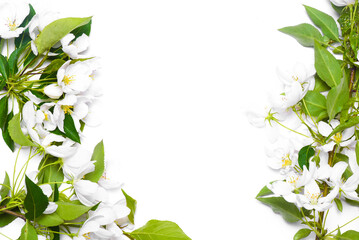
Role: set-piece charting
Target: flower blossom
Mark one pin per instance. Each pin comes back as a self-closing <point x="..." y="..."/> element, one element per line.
<point x="12" y="14"/>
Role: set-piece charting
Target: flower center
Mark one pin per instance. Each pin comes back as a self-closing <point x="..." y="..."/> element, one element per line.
<point x="67" y="109"/>
<point x="12" y="25"/>
<point x="68" y="79"/>
<point x="313" y="197"/>
<point x="286" y="161"/>
<point x="46" y="117"/>
<point x="337" y="138"/>
<point x="87" y="236"/>
<point x="293" y="180"/>
<point x="295" y="78"/>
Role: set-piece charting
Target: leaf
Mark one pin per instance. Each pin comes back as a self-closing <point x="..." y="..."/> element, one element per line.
<point x="28" y="232"/>
<point x="325" y="22"/>
<point x="56" y="30"/>
<point x="50" y="220"/>
<point x="3" y="111"/>
<point x="5" y="188"/>
<point x="314" y="103"/>
<point x="16" y="133"/>
<point x="70" y="210"/>
<point x="357" y="151"/>
<point x="159" y="230"/>
<point x="35" y="201"/>
<point x="264" y="192"/>
<point x="5" y="133"/>
<point x="304" y="155"/>
<point x="85" y="29"/>
<point x="13" y="60"/>
<point x="341" y="127"/>
<point x="327" y="66"/>
<point x="304" y="33"/>
<point x="6" y="219"/>
<point x="50" y="171"/>
<point x="289" y="211"/>
<point x="24" y="37"/>
<point x="320" y="85"/>
<point x="302" y="233"/>
<point x="70" y="129"/>
<point x="339" y="204"/>
<point x="349" y="235"/>
<point x="4" y="68"/>
<point x="52" y="68"/>
<point x="336" y="99"/>
<point x="131" y="204"/>
<point x="98" y="156"/>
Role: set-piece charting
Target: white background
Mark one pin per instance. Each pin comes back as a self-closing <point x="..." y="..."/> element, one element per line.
<point x="177" y="78"/>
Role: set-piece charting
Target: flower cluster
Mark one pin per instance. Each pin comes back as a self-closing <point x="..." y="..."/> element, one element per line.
<point x="48" y="95"/>
<point x="314" y="124"/>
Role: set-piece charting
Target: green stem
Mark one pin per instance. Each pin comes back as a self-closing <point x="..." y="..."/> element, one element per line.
<point x="275" y="120"/>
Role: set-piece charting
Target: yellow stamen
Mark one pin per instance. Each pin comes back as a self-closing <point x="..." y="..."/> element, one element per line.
<point x="46" y="117"/>
<point x="67" y="109"/>
<point x="87" y="236"/>
<point x="295" y="78"/>
<point x="337" y="138"/>
<point x="12" y="25"/>
<point x="313" y="197"/>
<point x="68" y="79"/>
<point x="286" y="161"/>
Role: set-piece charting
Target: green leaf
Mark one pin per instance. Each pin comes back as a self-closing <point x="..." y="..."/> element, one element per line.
<point x="320" y="85"/>
<point x="28" y="232"/>
<point x="327" y="66"/>
<point x="357" y="151"/>
<point x="16" y="133"/>
<point x="98" y="156"/>
<point x="336" y="99"/>
<point x="349" y="235"/>
<point x="159" y="230"/>
<point x="341" y="127"/>
<point x="4" y="67"/>
<point x="6" y="134"/>
<point x="13" y="60"/>
<point x="5" y="188"/>
<point x="339" y="204"/>
<point x="70" y="129"/>
<point x="314" y="103"/>
<point x="6" y="219"/>
<point x="35" y="201"/>
<point x="131" y="204"/>
<point x="3" y="111"/>
<point x="24" y="37"/>
<point x="304" y="33"/>
<point x="302" y="233"/>
<point x="70" y="210"/>
<point x="56" y="30"/>
<point x="289" y="211"/>
<point x="325" y="22"/>
<point x="50" y="220"/>
<point x="304" y="155"/>
<point x="85" y="29"/>
<point x="52" y="68"/>
<point x="50" y="171"/>
<point x="264" y="192"/>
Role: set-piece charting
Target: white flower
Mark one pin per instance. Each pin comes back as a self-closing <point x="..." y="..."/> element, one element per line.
<point x="73" y="49"/>
<point x="74" y="78"/>
<point x="342" y="3"/>
<point x="343" y="139"/>
<point x="101" y="223"/>
<point x="43" y="137"/>
<point x="312" y="198"/>
<point x="70" y="105"/>
<point x="12" y="14"/>
<point x="282" y="155"/>
<point x="47" y="190"/>
<point x="295" y="84"/>
<point x="349" y="186"/>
